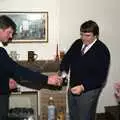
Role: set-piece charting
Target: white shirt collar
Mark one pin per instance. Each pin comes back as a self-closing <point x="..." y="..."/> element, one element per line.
<point x="1" y="45"/>
<point x="88" y="46"/>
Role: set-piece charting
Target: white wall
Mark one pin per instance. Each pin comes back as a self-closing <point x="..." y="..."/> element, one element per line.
<point x="105" y="13"/>
<point x="65" y="17"/>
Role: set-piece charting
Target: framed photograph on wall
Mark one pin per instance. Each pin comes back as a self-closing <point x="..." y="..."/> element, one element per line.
<point x="31" y="26"/>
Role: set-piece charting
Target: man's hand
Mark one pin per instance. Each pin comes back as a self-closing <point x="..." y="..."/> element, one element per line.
<point x="12" y="84"/>
<point x="77" y="90"/>
<point x="55" y="80"/>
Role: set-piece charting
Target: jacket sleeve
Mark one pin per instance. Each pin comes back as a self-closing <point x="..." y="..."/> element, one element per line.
<point x="17" y="72"/>
<point x="66" y="61"/>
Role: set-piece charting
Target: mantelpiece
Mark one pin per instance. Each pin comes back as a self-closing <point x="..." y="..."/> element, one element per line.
<point x="42" y="65"/>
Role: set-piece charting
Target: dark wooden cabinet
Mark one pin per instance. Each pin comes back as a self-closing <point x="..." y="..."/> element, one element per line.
<point x="113" y="112"/>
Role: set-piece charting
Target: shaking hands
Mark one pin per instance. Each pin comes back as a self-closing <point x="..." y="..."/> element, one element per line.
<point x="12" y="84"/>
<point x="55" y="80"/>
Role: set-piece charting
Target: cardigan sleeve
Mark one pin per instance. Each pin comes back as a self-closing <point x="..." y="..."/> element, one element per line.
<point x="66" y="61"/>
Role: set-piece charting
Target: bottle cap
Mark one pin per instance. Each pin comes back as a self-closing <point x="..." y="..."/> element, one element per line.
<point x="50" y="98"/>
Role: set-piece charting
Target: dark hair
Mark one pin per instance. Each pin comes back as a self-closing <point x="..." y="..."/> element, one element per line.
<point x="90" y="26"/>
<point x="6" y="22"/>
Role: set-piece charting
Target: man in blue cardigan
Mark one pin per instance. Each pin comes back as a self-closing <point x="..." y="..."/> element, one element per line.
<point x="88" y="60"/>
<point x="10" y="69"/>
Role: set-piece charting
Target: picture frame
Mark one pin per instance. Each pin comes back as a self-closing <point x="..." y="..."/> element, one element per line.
<point x="32" y="27"/>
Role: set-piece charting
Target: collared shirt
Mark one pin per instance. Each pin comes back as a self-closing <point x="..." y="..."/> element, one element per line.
<point x="88" y="46"/>
<point x="1" y="45"/>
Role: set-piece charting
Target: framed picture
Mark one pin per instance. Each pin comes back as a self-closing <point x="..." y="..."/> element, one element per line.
<point x="31" y="26"/>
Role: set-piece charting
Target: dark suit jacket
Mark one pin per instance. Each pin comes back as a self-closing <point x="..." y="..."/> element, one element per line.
<point x="90" y="69"/>
<point x="10" y="69"/>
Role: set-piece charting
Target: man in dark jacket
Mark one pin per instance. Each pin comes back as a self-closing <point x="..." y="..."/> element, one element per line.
<point x="10" y="69"/>
<point x="88" y="60"/>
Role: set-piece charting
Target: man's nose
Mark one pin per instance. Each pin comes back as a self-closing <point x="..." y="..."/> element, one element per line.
<point x="11" y="35"/>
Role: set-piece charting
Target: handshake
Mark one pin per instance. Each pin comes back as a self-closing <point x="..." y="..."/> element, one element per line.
<point x="57" y="79"/>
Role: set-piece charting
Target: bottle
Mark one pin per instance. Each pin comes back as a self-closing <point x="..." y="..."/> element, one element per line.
<point x="43" y="116"/>
<point x="51" y="109"/>
<point x="60" y="114"/>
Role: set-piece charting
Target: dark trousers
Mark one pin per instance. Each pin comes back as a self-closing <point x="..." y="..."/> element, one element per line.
<point x="4" y="101"/>
<point x="83" y="107"/>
